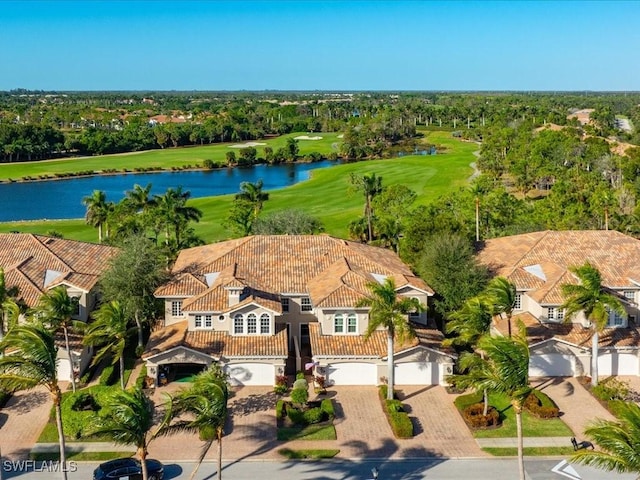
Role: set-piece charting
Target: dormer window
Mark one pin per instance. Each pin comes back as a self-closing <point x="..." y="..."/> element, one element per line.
<point x="305" y="304"/>
<point x="345" y="323"/>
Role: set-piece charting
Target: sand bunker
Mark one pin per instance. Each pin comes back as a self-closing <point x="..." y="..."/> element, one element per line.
<point x="248" y="144"/>
<point x="341" y="135"/>
<point x="307" y="137"/>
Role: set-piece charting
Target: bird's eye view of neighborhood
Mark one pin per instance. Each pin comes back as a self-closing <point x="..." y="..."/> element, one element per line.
<point x="319" y="240"/>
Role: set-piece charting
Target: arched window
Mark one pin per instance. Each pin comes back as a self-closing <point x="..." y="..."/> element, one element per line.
<point x="352" y="323"/>
<point x="265" y="324"/>
<point x="252" y="324"/>
<point x="238" y="324"/>
<point x="338" y="323"/>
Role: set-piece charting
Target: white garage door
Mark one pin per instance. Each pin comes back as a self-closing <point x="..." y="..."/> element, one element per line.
<point x="618" y="364"/>
<point x="551" y="365"/>
<point x="250" y="373"/>
<point x="417" y="373"/>
<point x="64" y="370"/>
<point x="352" y="374"/>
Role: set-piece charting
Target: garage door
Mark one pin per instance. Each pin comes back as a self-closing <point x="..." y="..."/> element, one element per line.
<point x="64" y="370"/>
<point x="352" y="374"/>
<point x="417" y="373"/>
<point x="551" y="365"/>
<point x="618" y="364"/>
<point x="250" y="373"/>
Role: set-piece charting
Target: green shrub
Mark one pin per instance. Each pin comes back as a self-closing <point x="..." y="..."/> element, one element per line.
<point x="474" y="417"/>
<point x="279" y="408"/>
<point x="394" y="406"/>
<point x="84" y="401"/>
<point x="301" y="383"/>
<point x="401" y="424"/>
<point x="314" y="415"/>
<point x="611" y="389"/>
<point x="327" y="407"/>
<point x="208" y="164"/>
<point x="108" y="375"/>
<point x="299" y="396"/>
<point x="141" y="380"/>
<point x="280" y="389"/>
<point x="300" y="375"/>
<point x="296" y="416"/>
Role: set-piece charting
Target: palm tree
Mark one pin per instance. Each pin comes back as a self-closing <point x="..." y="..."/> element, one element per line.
<point x="504" y="370"/>
<point x="390" y="312"/>
<point x="253" y="194"/>
<point x="9" y="310"/>
<point x="111" y="332"/>
<point x="138" y="199"/>
<point x="370" y="186"/>
<point x="57" y="308"/>
<point x="468" y="325"/>
<point x="129" y="421"/>
<point x="32" y="363"/>
<point x="619" y="441"/>
<point x="97" y="210"/>
<point x="590" y="298"/>
<point x="502" y="295"/>
<point x="206" y="401"/>
<point x="173" y="211"/>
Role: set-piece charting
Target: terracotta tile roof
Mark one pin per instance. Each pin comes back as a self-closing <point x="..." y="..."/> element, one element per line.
<point x="181" y="285"/>
<point x="550" y="254"/>
<point x="218" y="343"/>
<point x="573" y="333"/>
<point x="304" y="264"/>
<point x="29" y="259"/>
<point x="75" y="341"/>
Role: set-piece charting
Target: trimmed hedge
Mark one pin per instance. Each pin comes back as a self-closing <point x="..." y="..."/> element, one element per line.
<point x="540" y="405"/>
<point x="474" y="417"/>
<point x="399" y="420"/>
<point x="279" y="408"/>
<point x="142" y="377"/>
<point x="327" y="407"/>
<point x="313" y="415"/>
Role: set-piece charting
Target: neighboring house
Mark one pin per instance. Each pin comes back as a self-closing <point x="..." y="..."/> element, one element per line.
<point x="264" y="306"/>
<point x="35" y="264"/>
<point x="538" y="264"/>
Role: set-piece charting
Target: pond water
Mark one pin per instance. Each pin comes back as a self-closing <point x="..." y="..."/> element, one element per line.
<point x="62" y="199"/>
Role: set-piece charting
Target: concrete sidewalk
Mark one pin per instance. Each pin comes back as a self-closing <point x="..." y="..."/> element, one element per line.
<point x="76" y="447"/>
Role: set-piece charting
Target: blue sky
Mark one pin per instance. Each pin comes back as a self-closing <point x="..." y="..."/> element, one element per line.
<point x="330" y="45"/>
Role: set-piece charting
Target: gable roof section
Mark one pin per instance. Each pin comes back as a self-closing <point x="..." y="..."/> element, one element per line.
<point x="550" y="254"/>
<point x="334" y="272"/>
<point x="36" y="263"/>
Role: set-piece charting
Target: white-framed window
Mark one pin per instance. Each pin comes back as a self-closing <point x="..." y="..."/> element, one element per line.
<point x="238" y="324"/>
<point x="305" y="304"/>
<point x="284" y="301"/>
<point x="176" y="308"/>
<point x="551" y="313"/>
<point x="208" y="321"/>
<point x="265" y="324"/>
<point x="338" y="323"/>
<point x="617" y="319"/>
<point x="252" y="324"/>
<point x="560" y="314"/>
<point x="517" y="304"/>
<point x="630" y="296"/>
<point x="198" y="321"/>
<point x="352" y="323"/>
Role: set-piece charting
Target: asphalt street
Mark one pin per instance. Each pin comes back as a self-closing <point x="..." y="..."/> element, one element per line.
<point x="467" y="469"/>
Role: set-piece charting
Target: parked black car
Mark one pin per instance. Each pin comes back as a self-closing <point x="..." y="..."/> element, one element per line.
<point x="129" y="469"/>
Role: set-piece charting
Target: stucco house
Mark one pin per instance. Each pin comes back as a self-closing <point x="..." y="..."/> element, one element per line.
<point x="36" y="263"/>
<point x="265" y="306"/>
<point x="538" y="264"/>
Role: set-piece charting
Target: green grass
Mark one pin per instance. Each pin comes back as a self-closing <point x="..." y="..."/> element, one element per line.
<point x="326" y="195"/>
<point x="310" y="432"/>
<point x="530" y="451"/>
<point x="74" y="423"/>
<point x="307" y="454"/>
<point x="531" y="426"/>
<point x="159" y="159"/>
<point x="80" y="456"/>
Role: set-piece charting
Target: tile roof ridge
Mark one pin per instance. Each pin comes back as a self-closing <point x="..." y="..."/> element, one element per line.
<point x="43" y="244"/>
<point x="544" y="235"/>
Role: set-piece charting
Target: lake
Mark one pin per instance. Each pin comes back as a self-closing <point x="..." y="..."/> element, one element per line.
<point x="62" y="199"/>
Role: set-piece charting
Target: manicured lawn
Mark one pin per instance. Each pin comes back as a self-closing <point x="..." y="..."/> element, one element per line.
<point x="531" y="451"/>
<point x="327" y="195"/>
<point x="531" y="426"/>
<point x="80" y="456"/>
<point x="166" y="158"/>
<point x="310" y="432"/>
<point x="307" y="454"/>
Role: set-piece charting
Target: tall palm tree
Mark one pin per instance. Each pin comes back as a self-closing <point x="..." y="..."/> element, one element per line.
<point x="253" y="194"/>
<point x="206" y="402"/>
<point x="370" y="186"/>
<point x="174" y="212"/>
<point x="111" y="332"/>
<point x="129" y="421"/>
<point x="504" y="370"/>
<point x="139" y="199"/>
<point x="590" y="298"/>
<point x="57" y="309"/>
<point x="618" y="442"/>
<point x="97" y="210"/>
<point x="468" y="325"/>
<point x="502" y="295"/>
<point x="389" y="311"/>
<point x="32" y="363"/>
